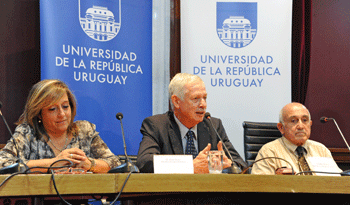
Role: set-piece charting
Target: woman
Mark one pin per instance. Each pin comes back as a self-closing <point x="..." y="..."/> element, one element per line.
<point x="46" y="132"/>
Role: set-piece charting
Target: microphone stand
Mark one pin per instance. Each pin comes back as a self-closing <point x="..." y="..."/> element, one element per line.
<point x="233" y="169"/>
<point x="326" y="119"/>
<point x="336" y="124"/>
<point x="7" y="126"/>
<point x="346" y="172"/>
<point x="13" y="167"/>
<point x="128" y="166"/>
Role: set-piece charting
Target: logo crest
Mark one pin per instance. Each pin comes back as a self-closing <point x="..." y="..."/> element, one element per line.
<point x="236" y="23"/>
<point x="100" y="22"/>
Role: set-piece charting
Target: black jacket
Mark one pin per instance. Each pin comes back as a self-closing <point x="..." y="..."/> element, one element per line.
<point x="161" y="135"/>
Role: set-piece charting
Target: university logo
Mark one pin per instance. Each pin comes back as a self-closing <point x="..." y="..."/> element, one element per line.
<point x="236" y="23"/>
<point x="100" y="22"/>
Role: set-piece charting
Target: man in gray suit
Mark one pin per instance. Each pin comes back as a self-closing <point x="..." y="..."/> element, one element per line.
<point x="168" y="133"/>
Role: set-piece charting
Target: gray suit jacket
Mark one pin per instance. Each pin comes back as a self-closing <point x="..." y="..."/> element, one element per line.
<point x="161" y="135"/>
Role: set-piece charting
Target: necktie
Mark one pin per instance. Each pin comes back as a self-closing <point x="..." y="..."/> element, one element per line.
<point x="190" y="148"/>
<point x="302" y="161"/>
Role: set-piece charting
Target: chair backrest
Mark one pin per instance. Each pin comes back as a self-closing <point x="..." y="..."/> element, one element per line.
<point x="256" y="134"/>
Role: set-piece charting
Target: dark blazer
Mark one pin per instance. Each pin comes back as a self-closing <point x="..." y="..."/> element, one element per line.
<point x="161" y="135"/>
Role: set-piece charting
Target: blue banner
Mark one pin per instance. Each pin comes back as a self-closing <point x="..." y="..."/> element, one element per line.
<point x="102" y="49"/>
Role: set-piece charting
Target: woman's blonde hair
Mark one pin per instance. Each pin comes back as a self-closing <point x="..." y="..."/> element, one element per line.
<point x="43" y="94"/>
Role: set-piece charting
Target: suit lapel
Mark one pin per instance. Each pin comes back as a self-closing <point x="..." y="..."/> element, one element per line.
<point x="203" y="135"/>
<point x="175" y="135"/>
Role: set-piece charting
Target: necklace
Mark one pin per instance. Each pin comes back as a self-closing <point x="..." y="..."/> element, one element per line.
<point x="64" y="147"/>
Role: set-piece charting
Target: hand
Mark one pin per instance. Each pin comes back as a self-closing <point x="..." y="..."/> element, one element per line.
<point x="200" y="163"/>
<point x="284" y="171"/>
<point x="77" y="156"/>
<point x="226" y="160"/>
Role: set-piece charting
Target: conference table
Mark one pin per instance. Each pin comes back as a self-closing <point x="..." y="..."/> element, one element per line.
<point x="181" y="188"/>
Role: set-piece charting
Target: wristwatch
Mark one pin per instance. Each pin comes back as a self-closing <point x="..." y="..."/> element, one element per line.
<point x="93" y="165"/>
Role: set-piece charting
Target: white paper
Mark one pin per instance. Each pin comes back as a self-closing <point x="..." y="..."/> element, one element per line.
<point x="173" y="164"/>
<point x="323" y="164"/>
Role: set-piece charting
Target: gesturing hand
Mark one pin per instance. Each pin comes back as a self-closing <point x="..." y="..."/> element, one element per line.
<point x="226" y="160"/>
<point x="200" y="163"/>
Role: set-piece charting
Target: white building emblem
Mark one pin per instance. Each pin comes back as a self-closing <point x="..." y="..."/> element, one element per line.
<point x="234" y="29"/>
<point x="99" y="23"/>
<point x="236" y="32"/>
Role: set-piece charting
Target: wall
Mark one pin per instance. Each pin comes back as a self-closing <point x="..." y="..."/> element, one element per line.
<point x="19" y="57"/>
<point x="328" y="90"/>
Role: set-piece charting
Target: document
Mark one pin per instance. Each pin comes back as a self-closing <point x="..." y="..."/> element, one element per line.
<point x="173" y="164"/>
<point x="323" y="164"/>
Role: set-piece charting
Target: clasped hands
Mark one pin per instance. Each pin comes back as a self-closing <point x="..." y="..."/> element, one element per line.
<point x="76" y="156"/>
<point x="200" y="163"/>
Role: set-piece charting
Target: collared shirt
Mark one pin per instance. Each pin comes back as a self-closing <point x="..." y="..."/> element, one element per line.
<point x="283" y="148"/>
<point x="183" y="132"/>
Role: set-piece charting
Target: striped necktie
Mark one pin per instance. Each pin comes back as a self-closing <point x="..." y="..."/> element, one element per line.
<point x="304" y="167"/>
<point x="190" y="148"/>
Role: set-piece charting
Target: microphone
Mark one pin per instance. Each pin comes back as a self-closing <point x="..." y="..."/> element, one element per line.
<point x="3" y="118"/>
<point x="234" y="169"/>
<point x="128" y="166"/>
<point x="326" y="119"/>
<point x="14" y="167"/>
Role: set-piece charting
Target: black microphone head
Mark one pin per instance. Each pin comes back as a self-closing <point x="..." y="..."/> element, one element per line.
<point x="325" y="119"/>
<point x="207" y="115"/>
<point x="119" y="116"/>
<point x="0" y="104"/>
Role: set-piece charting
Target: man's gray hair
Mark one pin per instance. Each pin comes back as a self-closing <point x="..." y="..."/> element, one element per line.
<point x="177" y="84"/>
